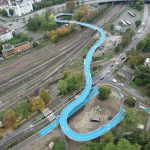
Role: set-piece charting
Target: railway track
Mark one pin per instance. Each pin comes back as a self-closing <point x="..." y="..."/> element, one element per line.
<point x="41" y="80"/>
<point x="39" y="77"/>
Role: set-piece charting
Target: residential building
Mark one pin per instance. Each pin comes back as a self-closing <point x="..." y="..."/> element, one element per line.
<point x="5" y="34"/>
<point x="9" y="50"/>
<point x="20" y="7"/>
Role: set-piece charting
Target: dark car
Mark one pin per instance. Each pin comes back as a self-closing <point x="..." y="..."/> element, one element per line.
<point x="111" y="65"/>
<point x="122" y="58"/>
<point x="101" y="78"/>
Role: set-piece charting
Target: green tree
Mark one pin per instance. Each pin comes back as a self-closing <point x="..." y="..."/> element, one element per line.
<point x="22" y="109"/>
<point x="127" y="36"/>
<point x="83" y="14"/>
<point x="130" y="101"/>
<point x="144" y="45"/>
<point x="142" y="74"/>
<point x="37" y="104"/>
<point x="62" y="87"/>
<point x="33" y="23"/>
<point x="137" y="23"/>
<point x="70" y="5"/>
<point x="44" y="95"/>
<point x="135" y="60"/>
<point x="9" y="118"/>
<point x="11" y="12"/>
<point x="4" y="13"/>
<point x="131" y="118"/>
<point x="90" y="146"/>
<point x="52" y="21"/>
<point x="110" y="146"/>
<point x="1" y="133"/>
<point x="104" y="92"/>
<point x="124" y="144"/>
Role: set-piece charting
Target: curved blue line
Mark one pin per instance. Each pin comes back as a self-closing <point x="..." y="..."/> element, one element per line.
<point x="76" y="103"/>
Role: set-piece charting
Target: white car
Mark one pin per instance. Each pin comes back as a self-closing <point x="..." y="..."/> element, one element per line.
<point x="117" y="63"/>
<point x="114" y="80"/>
<point x="120" y="55"/>
<point x="122" y="84"/>
<point x="108" y="71"/>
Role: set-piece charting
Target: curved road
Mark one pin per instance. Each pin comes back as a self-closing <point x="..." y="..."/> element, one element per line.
<point x="83" y="98"/>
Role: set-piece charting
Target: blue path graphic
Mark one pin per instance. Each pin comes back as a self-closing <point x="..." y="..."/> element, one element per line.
<point x="83" y="98"/>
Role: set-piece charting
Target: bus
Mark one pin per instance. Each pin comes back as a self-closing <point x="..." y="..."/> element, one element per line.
<point x="124" y="23"/>
<point x="129" y="23"/>
<point x="131" y="14"/>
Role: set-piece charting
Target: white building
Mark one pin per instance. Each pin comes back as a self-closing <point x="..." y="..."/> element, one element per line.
<point x="5" y="34"/>
<point x="20" y="8"/>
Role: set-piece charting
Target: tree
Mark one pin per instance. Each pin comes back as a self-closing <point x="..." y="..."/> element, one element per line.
<point x="90" y="146"/>
<point x="72" y="82"/>
<point x="4" y="13"/>
<point x="127" y="36"/>
<point x="66" y="72"/>
<point x="9" y="118"/>
<point x="83" y="14"/>
<point x="52" y="21"/>
<point x="109" y="146"/>
<point x="135" y="60"/>
<point x="138" y="136"/>
<point x="33" y="23"/>
<point x="144" y="45"/>
<point x="104" y="92"/>
<point x="22" y="109"/>
<point x="142" y="74"/>
<point x="130" y="101"/>
<point x="137" y="23"/>
<point x="131" y="118"/>
<point x="70" y="5"/>
<point x="54" y="36"/>
<point x="11" y="12"/>
<point x="44" y="96"/>
<point x="62" y="87"/>
<point x="124" y="144"/>
<point x="37" y="104"/>
<point x="118" y="48"/>
<point x="1" y="133"/>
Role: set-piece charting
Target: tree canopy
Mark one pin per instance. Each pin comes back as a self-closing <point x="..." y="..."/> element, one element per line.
<point x="104" y="92"/>
<point x="144" y="44"/>
<point x="37" y="104"/>
<point x="9" y="118"/>
<point x="72" y="82"/>
<point x="22" y="109"/>
<point x="44" y="95"/>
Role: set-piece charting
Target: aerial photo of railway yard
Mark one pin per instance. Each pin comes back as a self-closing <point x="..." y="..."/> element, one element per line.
<point x="74" y="74"/>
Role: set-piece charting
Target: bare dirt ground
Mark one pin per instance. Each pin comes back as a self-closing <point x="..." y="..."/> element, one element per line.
<point x="81" y="122"/>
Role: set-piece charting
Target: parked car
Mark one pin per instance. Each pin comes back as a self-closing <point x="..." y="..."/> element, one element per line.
<point x="114" y="80"/>
<point x="101" y="78"/>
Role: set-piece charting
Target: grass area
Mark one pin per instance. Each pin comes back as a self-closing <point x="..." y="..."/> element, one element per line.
<point x="132" y="84"/>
